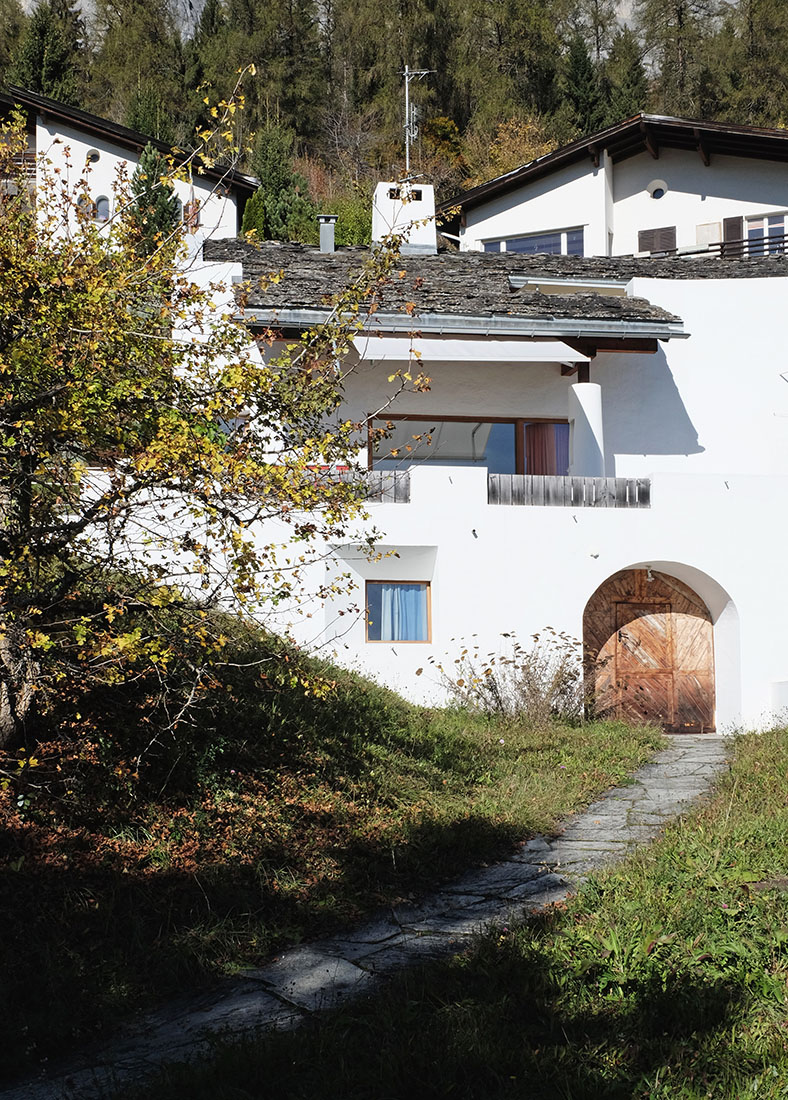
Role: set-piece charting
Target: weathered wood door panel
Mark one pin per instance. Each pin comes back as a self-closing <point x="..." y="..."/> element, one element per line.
<point x="646" y="698"/>
<point x="649" y="651"/>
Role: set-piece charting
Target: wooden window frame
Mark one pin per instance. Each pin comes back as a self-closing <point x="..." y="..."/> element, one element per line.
<point x="391" y="641"/>
<point x="518" y="421"/>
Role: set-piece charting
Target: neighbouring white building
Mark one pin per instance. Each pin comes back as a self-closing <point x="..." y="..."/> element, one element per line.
<point x="604" y="446"/>
<point x="76" y="145"/>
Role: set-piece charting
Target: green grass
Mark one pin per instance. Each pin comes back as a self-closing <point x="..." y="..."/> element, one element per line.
<point x="287" y="815"/>
<point x="666" y="979"/>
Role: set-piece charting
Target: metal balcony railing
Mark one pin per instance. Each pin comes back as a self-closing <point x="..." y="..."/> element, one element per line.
<point x="767" y="245"/>
<point x="380" y="486"/>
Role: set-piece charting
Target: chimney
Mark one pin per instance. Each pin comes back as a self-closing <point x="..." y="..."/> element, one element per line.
<point x="327" y="223"/>
<point x="408" y="209"/>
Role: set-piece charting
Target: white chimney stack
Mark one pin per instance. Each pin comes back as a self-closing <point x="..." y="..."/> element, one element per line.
<point x="407" y="209"/>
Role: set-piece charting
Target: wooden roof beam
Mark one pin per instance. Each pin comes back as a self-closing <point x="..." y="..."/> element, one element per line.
<point x="650" y="141"/>
<point x="705" y="155"/>
<point x="594" y="152"/>
<point x="590" y="345"/>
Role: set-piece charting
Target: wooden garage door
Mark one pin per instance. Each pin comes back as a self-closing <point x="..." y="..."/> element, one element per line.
<point x="649" y="652"/>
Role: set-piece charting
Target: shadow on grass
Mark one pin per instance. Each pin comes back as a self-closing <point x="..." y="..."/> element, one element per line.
<point x="84" y="946"/>
<point x="498" y="1024"/>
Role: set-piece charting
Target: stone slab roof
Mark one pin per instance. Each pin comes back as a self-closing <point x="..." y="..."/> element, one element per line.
<point x="461" y="283"/>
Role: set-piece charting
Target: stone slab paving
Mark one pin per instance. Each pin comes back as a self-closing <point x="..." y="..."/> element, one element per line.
<point x="323" y="975"/>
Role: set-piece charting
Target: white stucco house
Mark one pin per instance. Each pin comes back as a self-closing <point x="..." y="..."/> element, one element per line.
<point x="76" y="145"/>
<point x="604" y="445"/>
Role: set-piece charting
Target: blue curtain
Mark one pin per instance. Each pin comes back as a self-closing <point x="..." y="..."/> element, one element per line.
<point x="397" y="612"/>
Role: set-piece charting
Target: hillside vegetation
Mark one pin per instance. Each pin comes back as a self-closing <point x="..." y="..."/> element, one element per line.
<point x="297" y="797"/>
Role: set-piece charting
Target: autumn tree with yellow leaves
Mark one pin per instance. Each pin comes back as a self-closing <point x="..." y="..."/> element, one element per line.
<point x="141" y="448"/>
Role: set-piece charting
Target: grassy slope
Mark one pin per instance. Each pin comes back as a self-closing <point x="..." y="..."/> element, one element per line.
<point x="666" y="978"/>
<point x="291" y="814"/>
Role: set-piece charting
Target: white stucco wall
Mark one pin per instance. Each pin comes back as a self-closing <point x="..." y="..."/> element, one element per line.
<point x="613" y="202"/>
<point x="574" y="196"/>
<point x="696" y="194"/>
<point x="495" y="569"/>
<point x="706" y="419"/>
<point x="66" y="148"/>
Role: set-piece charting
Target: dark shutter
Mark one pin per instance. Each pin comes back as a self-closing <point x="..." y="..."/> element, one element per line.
<point x="657" y="240"/>
<point x="732" y="235"/>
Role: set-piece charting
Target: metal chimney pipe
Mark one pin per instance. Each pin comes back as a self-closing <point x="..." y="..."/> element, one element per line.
<point x="327" y="223"/>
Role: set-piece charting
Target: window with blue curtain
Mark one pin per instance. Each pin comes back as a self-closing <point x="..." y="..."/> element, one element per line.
<point x="397" y="611"/>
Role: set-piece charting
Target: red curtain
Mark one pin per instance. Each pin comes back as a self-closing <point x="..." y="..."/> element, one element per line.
<point x="539" y="449"/>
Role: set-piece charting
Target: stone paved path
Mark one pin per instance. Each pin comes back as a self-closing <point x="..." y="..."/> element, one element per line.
<point x="326" y="973"/>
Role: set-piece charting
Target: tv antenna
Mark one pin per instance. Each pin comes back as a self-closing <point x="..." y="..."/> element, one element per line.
<point x="411" y="123"/>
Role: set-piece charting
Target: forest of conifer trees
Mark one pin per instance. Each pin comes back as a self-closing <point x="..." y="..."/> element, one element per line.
<point x="512" y="79"/>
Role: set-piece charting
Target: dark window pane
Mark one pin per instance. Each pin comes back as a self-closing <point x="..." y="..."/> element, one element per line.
<point x="447" y="443"/>
<point x="492" y="246"/>
<point x="574" y="242"/>
<point x="537" y="242"/>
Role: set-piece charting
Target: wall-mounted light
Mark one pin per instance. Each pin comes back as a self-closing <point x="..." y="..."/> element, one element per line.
<point x="649" y="575"/>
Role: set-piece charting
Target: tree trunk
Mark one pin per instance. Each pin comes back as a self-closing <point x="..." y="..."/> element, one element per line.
<point x="18" y="675"/>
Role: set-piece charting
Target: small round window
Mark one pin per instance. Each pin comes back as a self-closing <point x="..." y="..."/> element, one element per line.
<point x="92" y="156"/>
<point x="657" y="189"/>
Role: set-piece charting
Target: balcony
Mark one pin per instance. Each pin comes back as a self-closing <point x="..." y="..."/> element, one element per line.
<point x="380" y="486"/>
<point x="571" y="491"/>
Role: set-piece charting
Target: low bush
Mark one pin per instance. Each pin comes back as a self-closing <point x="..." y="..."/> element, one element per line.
<point x="537" y="683"/>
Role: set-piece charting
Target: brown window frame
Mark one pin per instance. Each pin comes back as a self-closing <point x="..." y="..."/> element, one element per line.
<point x="392" y="641"/>
<point x="518" y="421"/>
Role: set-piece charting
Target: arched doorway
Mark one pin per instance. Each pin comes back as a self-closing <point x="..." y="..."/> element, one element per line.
<point x="649" y="652"/>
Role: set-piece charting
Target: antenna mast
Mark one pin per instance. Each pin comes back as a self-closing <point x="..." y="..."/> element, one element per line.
<point x="411" y="125"/>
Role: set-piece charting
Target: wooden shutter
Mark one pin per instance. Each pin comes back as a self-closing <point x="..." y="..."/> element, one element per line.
<point x="657" y="240"/>
<point x="732" y="234"/>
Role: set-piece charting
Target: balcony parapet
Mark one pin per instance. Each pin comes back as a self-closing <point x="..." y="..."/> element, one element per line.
<point x="571" y="491"/>
<point x="381" y="486"/>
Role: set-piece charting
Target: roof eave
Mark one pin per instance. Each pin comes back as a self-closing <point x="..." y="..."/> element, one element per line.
<point x="111" y="131"/>
<point x="468" y="325"/>
<point x="758" y="142"/>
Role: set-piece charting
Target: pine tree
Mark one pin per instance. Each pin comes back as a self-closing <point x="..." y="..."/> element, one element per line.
<point x="284" y="195"/>
<point x="625" y="86"/>
<point x="48" y="60"/>
<point x="748" y="64"/>
<point x="147" y="113"/>
<point x="254" y="215"/>
<point x="580" y="83"/>
<point x="12" y="24"/>
<point x="598" y="23"/>
<point x="677" y="32"/>
<point x="138" y="68"/>
<point x="156" y="211"/>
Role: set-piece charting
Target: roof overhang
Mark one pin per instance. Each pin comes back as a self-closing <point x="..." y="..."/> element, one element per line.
<point x="555" y="328"/>
<point x="641" y="133"/>
<point x="433" y="349"/>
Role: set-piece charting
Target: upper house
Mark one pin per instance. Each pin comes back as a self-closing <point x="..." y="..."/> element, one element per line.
<point x="604" y="445"/>
<point x="78" y="145"/>
<point x="648" y="185"/>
